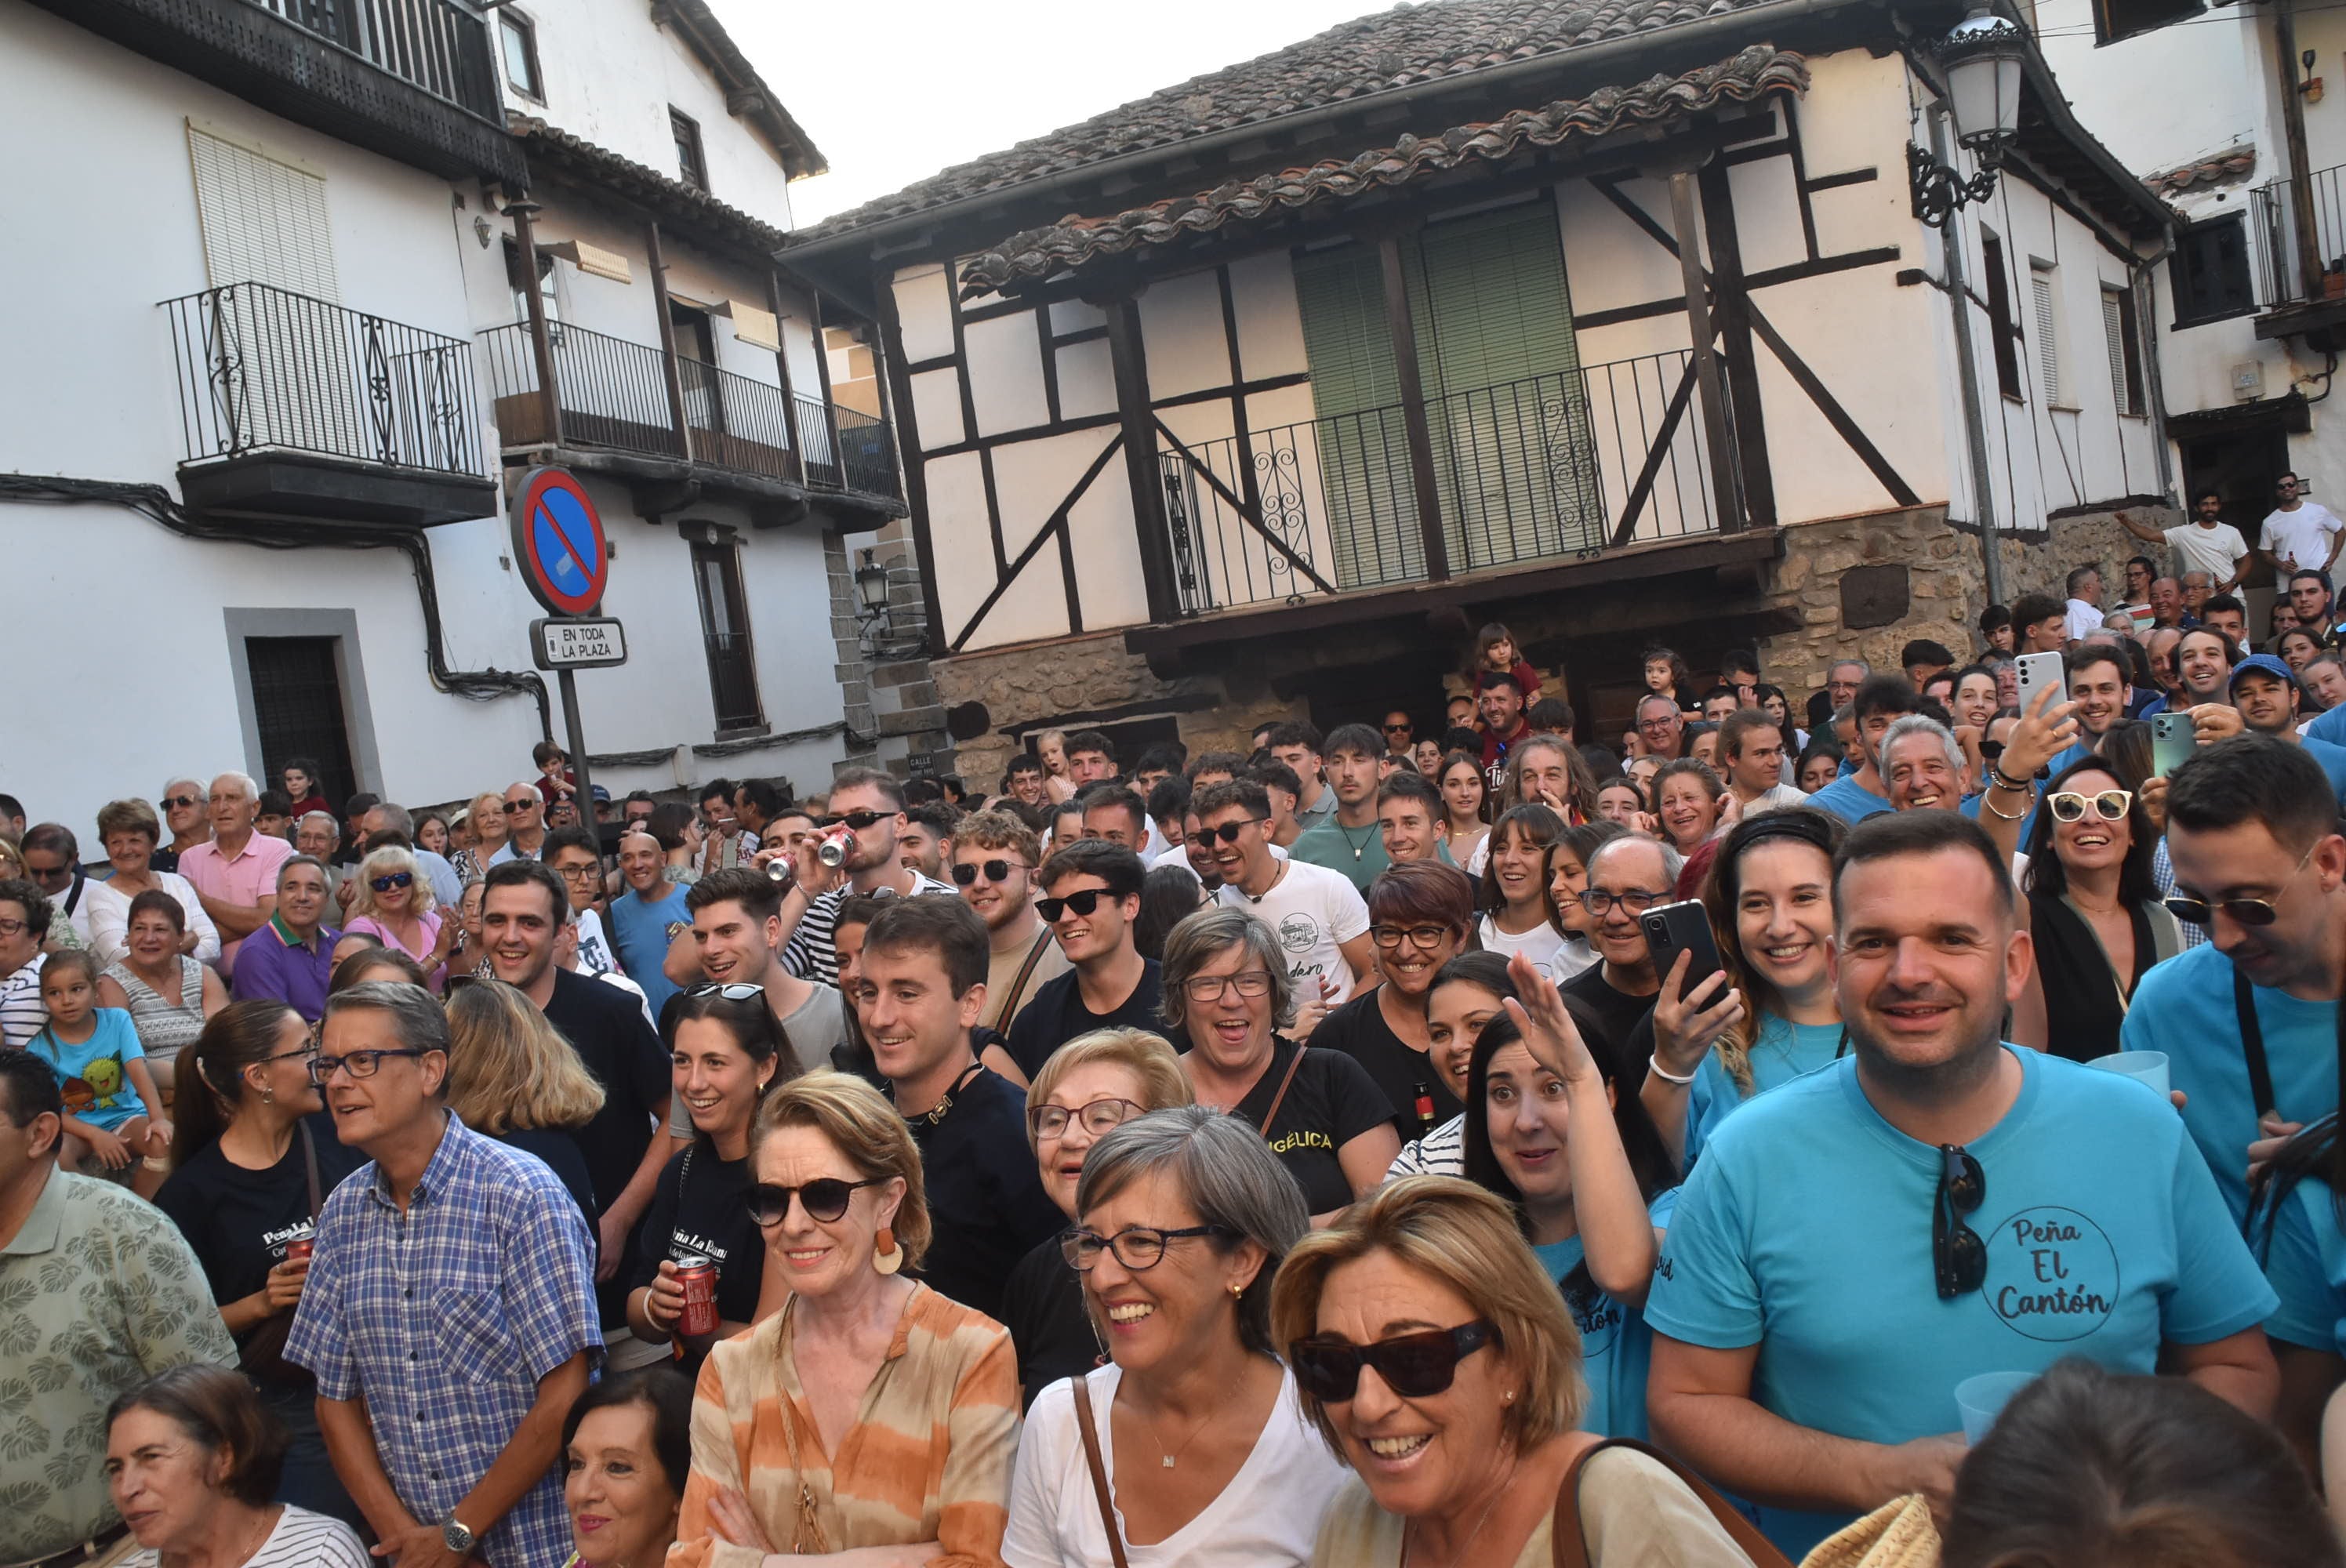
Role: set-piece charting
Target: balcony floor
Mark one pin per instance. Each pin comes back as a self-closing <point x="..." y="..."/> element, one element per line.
<point x="299" y="486"/>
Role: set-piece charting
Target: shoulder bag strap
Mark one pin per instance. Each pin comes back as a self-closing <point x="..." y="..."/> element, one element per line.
<point x="2252" y="1044"/>
<point x="1280" y="1098"/>
<point x="1568" y="1548"/>
<point x="1017" y="989"/>
<point x="1082" y="1390"/>
<point x="310" y="1170"/>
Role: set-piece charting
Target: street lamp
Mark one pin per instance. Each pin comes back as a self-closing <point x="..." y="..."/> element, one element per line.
<point x="872" y="587"/>
<point x="1983" y="57"/>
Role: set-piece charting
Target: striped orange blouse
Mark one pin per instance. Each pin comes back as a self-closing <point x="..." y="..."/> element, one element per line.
<point x="928" y="1458"/>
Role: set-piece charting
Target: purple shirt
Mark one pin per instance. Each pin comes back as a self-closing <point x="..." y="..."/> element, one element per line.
<point x="275" y="967"/>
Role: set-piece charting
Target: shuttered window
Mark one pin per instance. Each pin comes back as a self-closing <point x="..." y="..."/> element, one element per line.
<point x="2048" y="357"/>
<point x="263" y="221"/>
<point x="2126" y="356"/>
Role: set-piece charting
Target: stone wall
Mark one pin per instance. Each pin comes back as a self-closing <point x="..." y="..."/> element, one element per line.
<point x="2040" y="562"/>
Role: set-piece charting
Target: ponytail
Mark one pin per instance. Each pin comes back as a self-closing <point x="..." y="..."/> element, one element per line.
<point x="208" y="1099"/>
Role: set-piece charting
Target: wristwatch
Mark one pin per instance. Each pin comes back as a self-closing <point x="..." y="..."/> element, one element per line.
<point x="459" y="1539"/>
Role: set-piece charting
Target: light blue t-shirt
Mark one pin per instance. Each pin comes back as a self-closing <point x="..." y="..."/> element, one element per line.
<point x="2333" y="757"/>
<point x="2330" y="727"/>
<point x="95" y="1073"/>
<point x="2184" y="1007"/>
<point x="1850" y="801"/>
<point x="642" y="932"/>
<point x="1616" y="1349"/>
<point x="2307" y="1268"/>
<point x="1781" y="1052"/>
<point x="1806" y="1231"/>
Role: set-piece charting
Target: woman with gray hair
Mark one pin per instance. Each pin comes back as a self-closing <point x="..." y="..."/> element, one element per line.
<point x="1226" y="992"/>
<point x="1189" y="1447"/>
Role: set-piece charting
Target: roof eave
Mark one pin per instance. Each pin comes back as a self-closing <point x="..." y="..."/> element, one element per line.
<point x="747" y="93"/>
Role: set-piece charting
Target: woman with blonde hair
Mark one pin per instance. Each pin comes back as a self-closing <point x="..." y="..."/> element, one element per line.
<point x="486" y="816"/>
<point x="1497" y="1380"/>
<point x="1083" y="1091"/>
<point x="870" y="1411"/>
<point x="395" y="901"/>
<point x="513" y="1077"/>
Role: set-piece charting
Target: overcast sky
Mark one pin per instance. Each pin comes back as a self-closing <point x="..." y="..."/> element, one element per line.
<point x="892" y="90"/>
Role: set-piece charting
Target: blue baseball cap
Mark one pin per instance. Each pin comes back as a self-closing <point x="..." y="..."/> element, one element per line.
<point x="2268" y="663"/>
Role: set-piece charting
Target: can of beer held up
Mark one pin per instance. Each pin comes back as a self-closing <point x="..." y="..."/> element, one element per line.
<point x="300" y="1248"/>
<point x="698" y="1276"/>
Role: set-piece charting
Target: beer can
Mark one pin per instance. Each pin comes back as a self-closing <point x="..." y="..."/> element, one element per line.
<point x="300" y="1248"/>
<point x="833" y="850"/>
<point x="698" y="1276"/>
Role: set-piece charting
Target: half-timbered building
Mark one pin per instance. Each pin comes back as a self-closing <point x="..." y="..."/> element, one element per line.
<point x="1616" y="321"/>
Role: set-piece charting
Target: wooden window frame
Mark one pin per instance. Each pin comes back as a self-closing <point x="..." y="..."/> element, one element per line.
<point x="524" y="27"/>
<point x="691" y="152"/>
<point x="1999" y="314"/>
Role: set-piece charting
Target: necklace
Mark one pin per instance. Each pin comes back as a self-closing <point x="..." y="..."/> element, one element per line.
<point x="1276" y="877"/>
<point x="1166" y="1459"/>
<point x="1357" y="849"/>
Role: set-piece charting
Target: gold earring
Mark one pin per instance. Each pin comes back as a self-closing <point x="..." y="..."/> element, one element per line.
<point x="1237" y="1292"/>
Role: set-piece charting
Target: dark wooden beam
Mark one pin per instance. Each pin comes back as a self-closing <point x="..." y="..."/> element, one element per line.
<point x="1403" y="332"/>
<point x="822" y="378"/>
<point x="1724" y="501"/>
<point x="1054" y="525"/>
<point x="671" y="370"/>
<point x="1129" y="361"/>
<point x="541" y="345"/>
<point x="1727" y="281"/>
<point x="1656" y="453"/>
<point x="1251" y="516"/>
<point x="783" y="368"/>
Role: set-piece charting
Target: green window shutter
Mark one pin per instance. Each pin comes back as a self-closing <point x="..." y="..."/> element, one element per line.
<point x="1358" y="443"/>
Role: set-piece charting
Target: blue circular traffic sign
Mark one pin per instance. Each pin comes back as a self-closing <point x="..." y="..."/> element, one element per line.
<point x="559" y="540"/>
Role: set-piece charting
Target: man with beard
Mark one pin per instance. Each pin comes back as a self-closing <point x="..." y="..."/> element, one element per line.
<point x="2264" y="691"/>
<point x="1322" y="921"/>
<point x="2203" y="662"/>
<point x="869" y="805"/>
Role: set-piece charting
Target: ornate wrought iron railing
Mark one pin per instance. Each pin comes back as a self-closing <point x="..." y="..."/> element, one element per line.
<point x="1552" y="466"/>
<point x="260" y="367"/>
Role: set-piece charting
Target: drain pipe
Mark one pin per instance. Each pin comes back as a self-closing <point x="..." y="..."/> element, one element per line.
<point x="1959" y="301"/>
<point x="2146" y="345"/>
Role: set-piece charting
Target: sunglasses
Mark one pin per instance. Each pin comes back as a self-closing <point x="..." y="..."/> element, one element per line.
<point x="1413" y="1366"/>
<point x="181" y="802"/>
<point x="1082" y="901"/>
<point x="1992" y="750"/>
<point x="383" y="884"/>
<point x="1958" y="1256"/>
<point x="2244" y="911"/>
<point x="995" y="872"/>
<point x="825" y="1199"/>
<point x="736" y="992"/>
<point x="1229" y="832"/>
<point x="515" y="808"/>
<point x="855" y="822"/>
<point x="2109" y="805"/>
<point x="1394" y="729"/>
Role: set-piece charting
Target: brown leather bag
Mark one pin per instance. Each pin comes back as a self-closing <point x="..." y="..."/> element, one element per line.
<point x="1569" y="1547"/>
<point x="1081" y="1388"/>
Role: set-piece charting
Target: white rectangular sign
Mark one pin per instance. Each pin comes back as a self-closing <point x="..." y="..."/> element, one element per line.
<point x="577" y="644"/>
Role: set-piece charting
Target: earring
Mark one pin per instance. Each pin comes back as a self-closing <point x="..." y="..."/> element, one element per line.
<point x="1508" y="1398"/>
<point x="886" y="1255"/>
<point x="1237" y="1292"/>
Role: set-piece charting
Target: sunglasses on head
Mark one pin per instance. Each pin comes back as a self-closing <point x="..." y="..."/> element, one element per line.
<point x="825" y="1198"/>
<point x="965" y="873"/>
<point x="855" y="822"/>
<point x="1958" y="1256"/>
<point x="1083" y="901"/>
<point x="385" y="884"/>
<point x="735" y="993"/>
<point x="2109" y="805"/>
<point x="1229" y="832"/>
<point x="1413" y="1366"/>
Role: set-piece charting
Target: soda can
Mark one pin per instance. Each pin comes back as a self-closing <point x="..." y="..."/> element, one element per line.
<point x="698" y="1276"/>
<point x="299" y="1249"/>
<point x="833" y="850"/>
<point x="778" y="869"/>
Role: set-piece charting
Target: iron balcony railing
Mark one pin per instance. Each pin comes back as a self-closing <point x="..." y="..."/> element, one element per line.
<point x="439" y="45"/>
<point x="615" y="394"/>
<point x="260" y="367"/>
<point x="1558" y="466"/>
<point x="2274" y="226"/>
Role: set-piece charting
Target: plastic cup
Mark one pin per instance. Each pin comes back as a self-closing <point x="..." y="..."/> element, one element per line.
<point x="1981" y="1399"/>
<point x="2148" y="1066"/>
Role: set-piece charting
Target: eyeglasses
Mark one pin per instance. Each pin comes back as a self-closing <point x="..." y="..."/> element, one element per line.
<point x="856" y="822"/>
<point x="12" y="928"/>
<point x="385" y="884"/>
<point x="578" y="873"/>
<point x="2109" y="805"/>
<point x="1229" y="832"/>
<point x="1637" y="901"/>
<point x="1050" y="1121"/>
<point x="965" y="873"/>
<point x="1413" y="1366"/>
<point x="515" y="808"/>
<point x="1083" y="901"/>
<point x="1665" y="722"/>
<point x="358" y="1065"/>
<point x="824" y="1198"/>
<point x="2202" y="911"/>
<point x="1137" y="1248"/>
<point x="181" y="802"/>
<point x="1212" y="987"/>
<point x="1957" y="1254"/>
<point x="736" y="992"/>
<point x="1428" y="937"/>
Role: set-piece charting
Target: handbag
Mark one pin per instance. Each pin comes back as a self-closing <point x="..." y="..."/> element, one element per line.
<point x="1898" y="1534"/>
<point x="1570" y="1548"/>
<point x="1081" y="1388"/>
<point x="262" y="1356"/>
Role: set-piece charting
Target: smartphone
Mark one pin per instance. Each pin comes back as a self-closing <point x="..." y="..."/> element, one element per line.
<point x="1682" y="927"/>
<point x="2039" y="671"/>
<point x="2172" y="742"/>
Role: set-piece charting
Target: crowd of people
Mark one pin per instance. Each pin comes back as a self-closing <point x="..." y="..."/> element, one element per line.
<point x="1334" y="1152"/>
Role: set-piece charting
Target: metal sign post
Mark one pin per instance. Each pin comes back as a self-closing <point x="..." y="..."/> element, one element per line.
<point x="558" y="541"/>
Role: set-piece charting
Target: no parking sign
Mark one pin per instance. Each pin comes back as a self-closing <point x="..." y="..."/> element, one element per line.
<point x="558" y="541"/>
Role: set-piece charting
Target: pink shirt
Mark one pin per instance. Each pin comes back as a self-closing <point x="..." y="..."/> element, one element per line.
<point x="427" y="929"/>
<point x="245" y="878"/>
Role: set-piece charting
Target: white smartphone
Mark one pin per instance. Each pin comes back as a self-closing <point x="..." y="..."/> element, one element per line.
<point x="2040" y="672"/>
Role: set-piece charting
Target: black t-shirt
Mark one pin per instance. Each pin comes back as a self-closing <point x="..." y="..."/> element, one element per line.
<point x="1401" y="1073"/>
<point x="1617" y="1013"/>
<point x="701" y="1207"/>
<point x="1057" y="1014"/>
<point x="1042" y="1308"/>
<point x="558" y="1151"/>
<point x="1331" y="1100"/>
<point x="606" y="1026"/>
<point x="237" y="1221"/>
<point x="986" y="1205"/>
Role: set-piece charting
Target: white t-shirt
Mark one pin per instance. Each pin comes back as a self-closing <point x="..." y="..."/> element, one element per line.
<point x="1777" y="798"/>
<point x="2215" y="551"/>
<point x="1314" y="912"/>
<point x="301" y="1540"/>
<point x="2085" y="616"/>
<point x="1267" y="1517"/>
<point x="1542" y="944"/>
<point x="2303" y="537"/>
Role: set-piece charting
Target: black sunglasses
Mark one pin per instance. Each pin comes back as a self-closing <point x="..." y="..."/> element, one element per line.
<point x="390" y="879"/>
<point x="515" y="807"/>
<point x="1957" y="1254"/>
<point x="736" y="992"/>
<point x="181" y="802"/>
<point x="825" y="1199"/>
<point x="1413" y="1366"/>
<point x="855" y="822"/>
<point x="963" y="874"/>
<point x="1990" y="751"/>
<point x="1083" y="901"/>
<point x="1229" y="832"/>
<point x="2244" y="911"/>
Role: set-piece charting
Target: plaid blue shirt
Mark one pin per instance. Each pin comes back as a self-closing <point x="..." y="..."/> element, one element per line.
<point x="445" y="1318"/>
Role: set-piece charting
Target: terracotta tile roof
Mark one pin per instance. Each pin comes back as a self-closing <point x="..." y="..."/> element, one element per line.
<point x="671" y="198"/>
<point x="1403" y="48"/>
<point x="2230" y="167"/>
<point x="1756" y="72"/>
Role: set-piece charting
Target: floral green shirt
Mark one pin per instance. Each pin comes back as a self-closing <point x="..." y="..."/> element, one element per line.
<point x="98" y="1292"/>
